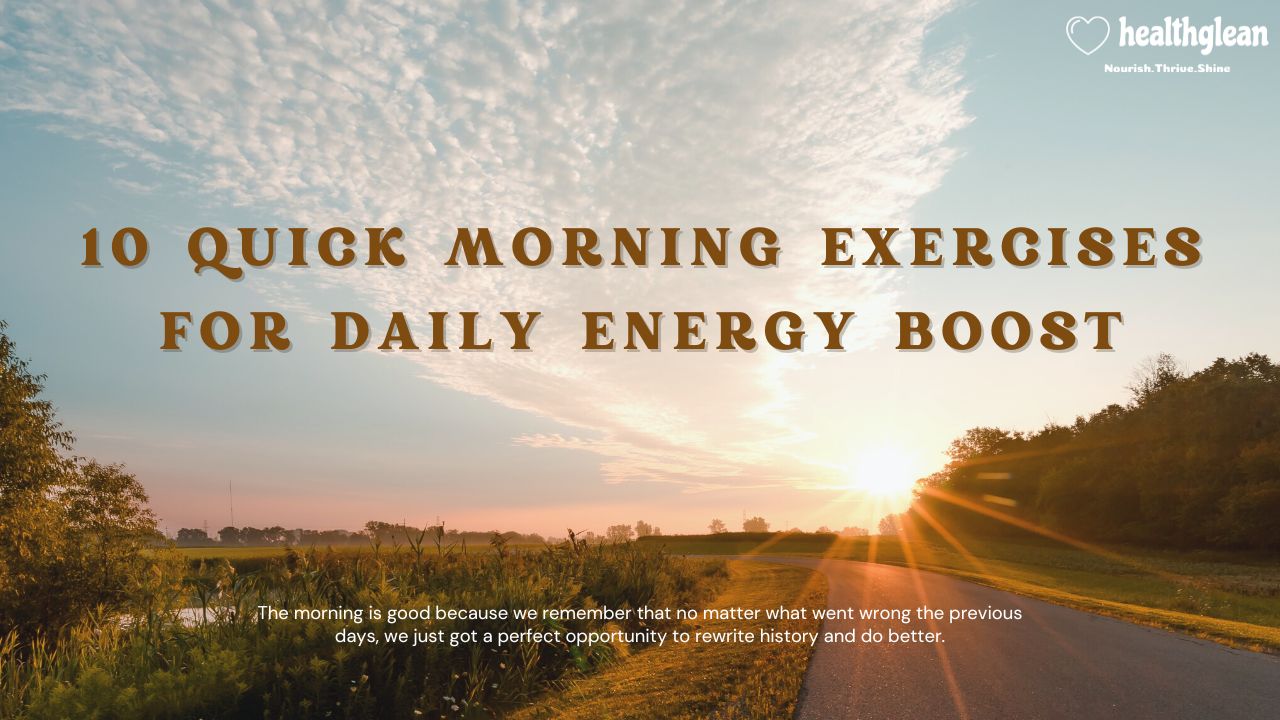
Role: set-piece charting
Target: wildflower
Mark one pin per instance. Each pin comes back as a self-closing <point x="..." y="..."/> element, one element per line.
<point x="454" y="708"/>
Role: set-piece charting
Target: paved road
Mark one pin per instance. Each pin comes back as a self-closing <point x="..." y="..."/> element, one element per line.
<point x="1054" y="663"/>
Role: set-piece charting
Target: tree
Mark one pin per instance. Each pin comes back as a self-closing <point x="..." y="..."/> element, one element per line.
<point x="1190" y="461"/>
<point x="717" y="526"/>
<point x="379" y="531"/>
<point x="107" y="512"/>
<point x="193" y="536"/>
<point x="644" y="529"/>
<point x="755" y="524"/>
<point x="890" y="524"/>
<point x="229" y="535"/>
<point x="980" y="442"/>
<point x="72" y="532"/>
<point x="1153" y="375"/>
<point x="618" y="533"/>
<point x="32" y="440"/>
<point x="854" y="531"/>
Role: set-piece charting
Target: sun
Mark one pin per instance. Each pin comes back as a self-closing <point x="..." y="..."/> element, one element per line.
<point x="884" y="471"/>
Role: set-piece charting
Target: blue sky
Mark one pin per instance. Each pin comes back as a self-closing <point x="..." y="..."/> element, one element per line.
<point x="512" y="114"/>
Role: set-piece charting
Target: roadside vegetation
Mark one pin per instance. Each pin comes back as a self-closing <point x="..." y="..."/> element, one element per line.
<point x="728" y="681"/>
<point x="231" y="663"/>
<point x="99" y="618"/>
<point x="1163" y="509"/>
<point x="1231" y="598"/>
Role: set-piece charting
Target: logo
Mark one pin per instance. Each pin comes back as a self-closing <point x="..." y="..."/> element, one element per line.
<point x="1181" y="32"/>
<point x="1088" y="34"/>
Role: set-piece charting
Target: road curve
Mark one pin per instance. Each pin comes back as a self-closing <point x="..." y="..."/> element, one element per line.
<point x="1054" y="663"/>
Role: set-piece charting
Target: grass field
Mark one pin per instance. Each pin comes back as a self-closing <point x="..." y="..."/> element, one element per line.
<point x="1231" y="600"/>
<point x="697" y="680"/>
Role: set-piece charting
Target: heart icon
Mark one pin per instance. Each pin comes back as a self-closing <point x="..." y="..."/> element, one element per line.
<point x="1086" y="36"/>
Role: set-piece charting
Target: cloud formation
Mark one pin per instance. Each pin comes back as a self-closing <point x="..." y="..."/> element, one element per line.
<point x="437" y="115"/>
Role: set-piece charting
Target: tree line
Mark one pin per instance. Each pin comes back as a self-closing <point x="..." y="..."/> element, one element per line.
<point x="374" y="531"/>
<point x="1191" y="460"/>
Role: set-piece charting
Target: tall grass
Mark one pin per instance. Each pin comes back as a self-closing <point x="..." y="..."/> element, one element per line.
<point x="229" y="662"/>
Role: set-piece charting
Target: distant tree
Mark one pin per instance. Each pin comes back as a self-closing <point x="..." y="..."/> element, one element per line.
<point x="644" y="529"/>
<point x="229" y="535"/>
<point x="379" y="531"/>
<point x="717" y="526"/>
<point x="823" y="529"/>
<point x="618" y="533"/>
<point x="193" y="536"/>
<point x="755" y="524"/>
<point x="854" y="531"/>
<point x="890" y="524"/>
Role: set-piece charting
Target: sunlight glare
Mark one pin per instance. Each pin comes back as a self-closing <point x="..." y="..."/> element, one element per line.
<point x="886" y="472"/>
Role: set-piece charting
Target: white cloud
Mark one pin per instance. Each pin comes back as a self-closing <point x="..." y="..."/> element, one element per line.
<point x="792" y="115"/>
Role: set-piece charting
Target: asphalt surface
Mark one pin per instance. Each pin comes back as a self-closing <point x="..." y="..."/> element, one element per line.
<point x="1053" y="663"/>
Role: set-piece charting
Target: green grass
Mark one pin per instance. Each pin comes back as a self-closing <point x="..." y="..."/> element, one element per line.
<point x="729" y="681"/>
<point x="1235" y="600"/>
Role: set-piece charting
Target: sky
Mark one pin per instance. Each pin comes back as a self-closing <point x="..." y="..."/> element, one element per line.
<point x="431" y="116"/>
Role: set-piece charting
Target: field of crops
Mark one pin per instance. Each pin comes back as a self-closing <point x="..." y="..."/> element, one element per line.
<point x="230" y="662"/>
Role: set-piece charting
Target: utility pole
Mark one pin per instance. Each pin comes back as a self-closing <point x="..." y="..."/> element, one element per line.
<point x="231" y="503"/>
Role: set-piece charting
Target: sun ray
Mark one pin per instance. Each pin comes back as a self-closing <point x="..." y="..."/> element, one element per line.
<point x="944" y="660"/>
<point x="1037" y="529"/>
<point x="1083" y="658"/>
